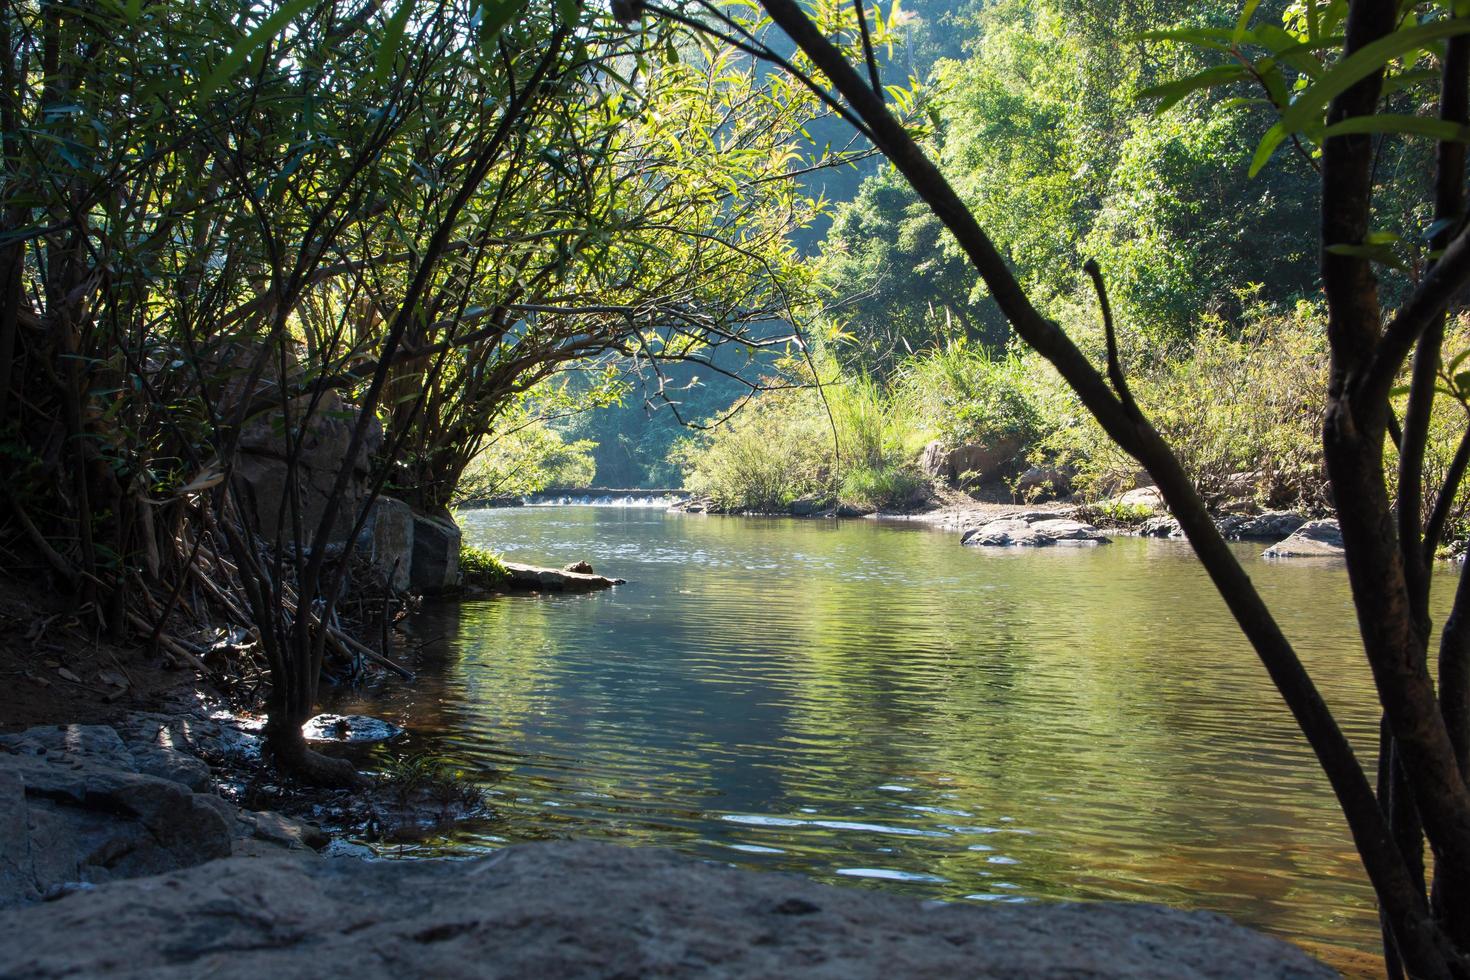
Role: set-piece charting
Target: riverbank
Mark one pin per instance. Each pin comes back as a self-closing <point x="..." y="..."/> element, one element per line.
<point x="119" y="858"/>
<point x="568" y="909"/>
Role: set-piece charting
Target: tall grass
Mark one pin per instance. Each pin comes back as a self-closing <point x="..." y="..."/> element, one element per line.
<point x="1242" y="408"/>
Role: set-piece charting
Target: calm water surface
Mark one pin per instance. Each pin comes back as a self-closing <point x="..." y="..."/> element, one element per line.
<point x="875" y="705"/>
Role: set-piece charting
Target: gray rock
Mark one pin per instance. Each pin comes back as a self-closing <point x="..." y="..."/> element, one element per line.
<point x="809" y="506"/>
<point x="284" y="831"/>
<point x="263" y="478"/>
<point x="1272" y="526"/>
<point x="1044" y="483"/>
<point x="1063" y="529"/>
<point x="89" y="815"/>
<point x="1006" y="532"/>
<point x="387" y="542"/>
<point x="216" y="735"/>
<point x="435" y="565"/>
<point x="349" y="728"/>
<point x="157" y="750"/>
<point x="1149" y="497"/>
<point x="556" y="579"/>
<point x="970" y="463"/>
<point x="1314" y="539"/>
<point x="1160" y="527"/>
<point x="575" y="909"/>
<point x="1034" y="529"/>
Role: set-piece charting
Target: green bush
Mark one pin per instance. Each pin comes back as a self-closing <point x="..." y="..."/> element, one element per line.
<point x="850" y="440"/>
<point x="481" y="567"/>
<point x="768" y="454"/>
<point x="528" y="457"/>
<point x="961" y="393"/>
<point x="1229" y="403"/>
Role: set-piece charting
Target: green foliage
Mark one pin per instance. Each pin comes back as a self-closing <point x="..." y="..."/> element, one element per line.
<point x="770" y="453"/>
<point x="962" y="394"/>
<point x="1182" y="235"/>
<point x="1041" y="134"/>
<point x="1114" y="512"/>
<point x="525" y="460"/>
<point x="896" y="488"/>
<point x="481" y="567"/>
<point x="424" y="777"/>
<point x="847" y="441"/>
<point x="1228" y="402"/>
<point x="886" y="270"/>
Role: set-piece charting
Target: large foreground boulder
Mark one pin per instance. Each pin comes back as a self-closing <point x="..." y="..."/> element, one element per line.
<point x="263" y="477"/>
<point x="435" y="566"/>
<point x="78" y="806"/>
<point x="576" y="909"/>
<point x="387" y="541"/>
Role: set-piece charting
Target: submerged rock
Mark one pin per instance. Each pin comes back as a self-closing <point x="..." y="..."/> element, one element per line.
<point x="1314" y="539"/>
<point x="1033" y="529"/>
<point x="349" y="728"/>
<point x="576" y="909"/>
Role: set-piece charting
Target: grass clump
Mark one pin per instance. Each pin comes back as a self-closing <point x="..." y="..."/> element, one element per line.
<point x="482" y="568"/>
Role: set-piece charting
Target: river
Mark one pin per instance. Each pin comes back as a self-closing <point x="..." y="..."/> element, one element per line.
<point x="871" y="703"/>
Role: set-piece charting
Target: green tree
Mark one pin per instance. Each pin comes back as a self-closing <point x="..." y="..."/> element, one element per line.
<point x="1334" y="93"/>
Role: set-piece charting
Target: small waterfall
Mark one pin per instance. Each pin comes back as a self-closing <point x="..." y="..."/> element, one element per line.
<point x="605" y="497"/>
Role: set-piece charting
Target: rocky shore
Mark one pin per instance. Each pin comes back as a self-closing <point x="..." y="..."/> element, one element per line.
<point x="117" y="859"/>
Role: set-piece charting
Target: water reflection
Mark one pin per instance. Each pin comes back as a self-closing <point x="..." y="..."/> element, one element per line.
<point x="879" y="706"/>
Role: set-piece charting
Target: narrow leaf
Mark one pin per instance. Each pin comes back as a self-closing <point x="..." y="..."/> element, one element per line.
<point x="233" y="61"/>
<point x="387" y="53"/>
<point x="1362" y="63"/>
<point x="1438" y="129"/>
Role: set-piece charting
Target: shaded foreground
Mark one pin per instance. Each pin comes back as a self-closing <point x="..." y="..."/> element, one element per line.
<point x="582" y="909"/>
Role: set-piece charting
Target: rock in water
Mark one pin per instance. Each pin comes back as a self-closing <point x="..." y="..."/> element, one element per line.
<point x="1033" y="529"/>
<point x="578" y="909"/>
<point x="1271" y="526"/>
<point x="1314" y="539"/>
<point x="349" y="728"/>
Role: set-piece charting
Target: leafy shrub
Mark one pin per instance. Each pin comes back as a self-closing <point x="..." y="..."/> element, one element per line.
<point x="961" y="393"/>
<point x="887" y="488"/>
<point x="849" y="439"/>
<point x="1228" y="403"/>
<point x="768" y="454"/>
<point x="481" y="567"/>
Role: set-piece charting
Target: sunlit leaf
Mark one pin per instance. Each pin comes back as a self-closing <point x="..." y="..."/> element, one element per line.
<point x="240" y="53"/>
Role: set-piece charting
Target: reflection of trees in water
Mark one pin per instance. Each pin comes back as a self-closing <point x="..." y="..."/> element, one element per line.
<point x="1099" y="699"/>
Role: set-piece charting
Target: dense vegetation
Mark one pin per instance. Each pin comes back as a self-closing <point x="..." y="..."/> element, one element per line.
<point x="1067" y="145"/>
<point x="260" y="267"/>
